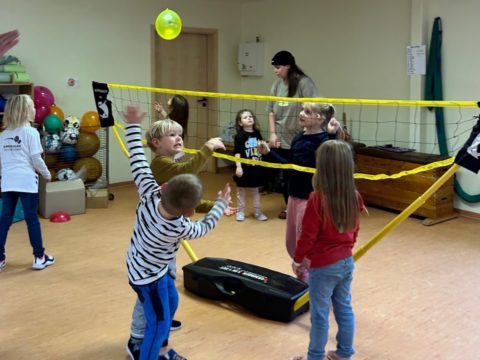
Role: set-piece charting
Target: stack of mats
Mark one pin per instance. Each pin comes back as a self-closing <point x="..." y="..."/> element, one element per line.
<point x="11" y="71"/>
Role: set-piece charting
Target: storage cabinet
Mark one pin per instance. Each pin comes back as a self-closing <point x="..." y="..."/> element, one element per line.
<point x="15" y="88"/>
<point x="397" y="194"/>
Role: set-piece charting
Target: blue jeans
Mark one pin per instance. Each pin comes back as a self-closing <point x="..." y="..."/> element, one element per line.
<point x="331" y="284"/>
<point x="160" y="301"/>
<point x="30" y="209"/>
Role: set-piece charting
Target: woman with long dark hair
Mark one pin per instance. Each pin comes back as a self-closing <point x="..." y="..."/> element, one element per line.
<point x="283" y="115"/>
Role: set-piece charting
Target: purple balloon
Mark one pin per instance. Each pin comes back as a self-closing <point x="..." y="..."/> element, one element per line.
<point x="41" y="111"/>
<point x="43" y="96"/>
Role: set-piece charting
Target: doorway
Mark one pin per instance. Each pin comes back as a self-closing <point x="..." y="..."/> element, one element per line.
<point x="190" y="63"/>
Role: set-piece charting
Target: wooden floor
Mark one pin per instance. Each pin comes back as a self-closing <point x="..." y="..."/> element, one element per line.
<point x="416" y="294"/>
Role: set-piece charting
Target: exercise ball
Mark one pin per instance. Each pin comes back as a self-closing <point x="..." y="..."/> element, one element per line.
<point x="90" y="122"/>
<point x="68" y="153"/>
<point x="62" y="164"/>
<point x="93" y="168"/>
<point x="51" y="160"/>
<point x="41" y="111"/>
<point x="87" y="144"/>
<point x="55" y="110"/>
<point x="168" y="24"/>
<point x="52" y="124"/>
<point x="43" y="96"/>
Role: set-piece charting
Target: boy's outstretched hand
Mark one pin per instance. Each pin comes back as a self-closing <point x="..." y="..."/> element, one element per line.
<point x="215" y="144"/>
<point x="229" y="211"/>
<point x="133" y="115"/>
<point x="225" y="193"/>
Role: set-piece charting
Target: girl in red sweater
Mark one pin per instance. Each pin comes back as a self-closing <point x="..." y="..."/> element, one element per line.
<point x="329" y="231"/>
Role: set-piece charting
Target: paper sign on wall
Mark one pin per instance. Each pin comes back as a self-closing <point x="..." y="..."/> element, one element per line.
<point x="416" y="56"/>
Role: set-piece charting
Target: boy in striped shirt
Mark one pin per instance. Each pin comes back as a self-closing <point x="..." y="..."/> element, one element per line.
<point x="161" y="222"/>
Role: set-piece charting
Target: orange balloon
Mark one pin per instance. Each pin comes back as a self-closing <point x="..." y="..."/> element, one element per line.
<point x="55" y="110"/>
<point x="90" y="122"/>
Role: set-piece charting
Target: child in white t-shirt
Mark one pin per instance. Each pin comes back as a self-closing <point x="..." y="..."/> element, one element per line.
<point x="20" y="161"/>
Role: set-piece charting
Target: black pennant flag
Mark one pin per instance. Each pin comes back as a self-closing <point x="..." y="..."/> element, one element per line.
<point x="469" y="155"/>
<point x="104" y="106"/>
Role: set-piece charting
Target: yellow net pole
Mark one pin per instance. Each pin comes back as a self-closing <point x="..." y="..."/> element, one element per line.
<point x="302" y="300"/>
<point x="189" y="250"/>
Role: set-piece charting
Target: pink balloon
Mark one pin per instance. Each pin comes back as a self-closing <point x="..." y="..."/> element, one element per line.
<point x="41" y="111"/>
<point x="43" y="96"/>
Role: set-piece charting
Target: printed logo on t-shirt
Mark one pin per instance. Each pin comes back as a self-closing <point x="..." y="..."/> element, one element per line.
<point x="251" y="151"/>
<point x="16" y="139"/>
<point x="10" y="147"/>
<point x="283" y="103"/>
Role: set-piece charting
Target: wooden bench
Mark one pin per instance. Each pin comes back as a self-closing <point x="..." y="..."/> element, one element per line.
<point x="397" y="194"/>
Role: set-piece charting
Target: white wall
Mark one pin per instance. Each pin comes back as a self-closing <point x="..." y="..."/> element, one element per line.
<point x="345" y="46"/>
<point x="353" y="49"/>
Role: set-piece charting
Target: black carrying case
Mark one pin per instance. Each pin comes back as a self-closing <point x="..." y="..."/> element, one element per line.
<point x="266" y="293"/>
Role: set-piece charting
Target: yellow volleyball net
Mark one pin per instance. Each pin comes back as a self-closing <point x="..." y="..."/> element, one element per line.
<point x="390" y="125"/>
<point x="399" y="126"/>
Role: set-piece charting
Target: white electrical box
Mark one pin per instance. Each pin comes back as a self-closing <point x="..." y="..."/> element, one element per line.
<point x="251" y="58"/>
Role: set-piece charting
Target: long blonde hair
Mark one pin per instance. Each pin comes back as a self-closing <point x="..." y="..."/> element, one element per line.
<point x="19" y="111"/>
<point x="334" y="182"/>
<point x="325" y="110"/>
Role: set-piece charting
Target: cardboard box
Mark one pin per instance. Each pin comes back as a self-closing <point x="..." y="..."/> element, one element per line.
<point x="97" y="198"/>
<point x="68" y="196"/>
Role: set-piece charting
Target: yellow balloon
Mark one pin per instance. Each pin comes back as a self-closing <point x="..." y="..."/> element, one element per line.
<point x="168" y="24"/>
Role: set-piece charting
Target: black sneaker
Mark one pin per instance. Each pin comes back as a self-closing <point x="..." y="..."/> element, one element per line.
<point x="133" y="350"/>
<point x="171" y="355"/>
<point x="176" y="325"/>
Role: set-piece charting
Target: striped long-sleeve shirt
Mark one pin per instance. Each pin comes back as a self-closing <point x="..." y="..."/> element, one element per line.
<point x="156" y="239"/>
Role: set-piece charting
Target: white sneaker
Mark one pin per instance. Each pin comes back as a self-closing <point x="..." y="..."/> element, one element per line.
<point x="260" y="216"/>
<point x="43" y="262"/>
<point x="240" y="216"/>
<point x="2" y="264"/>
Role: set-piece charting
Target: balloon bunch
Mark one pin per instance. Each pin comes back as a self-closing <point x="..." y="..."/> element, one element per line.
<point x="71" y="143"/>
